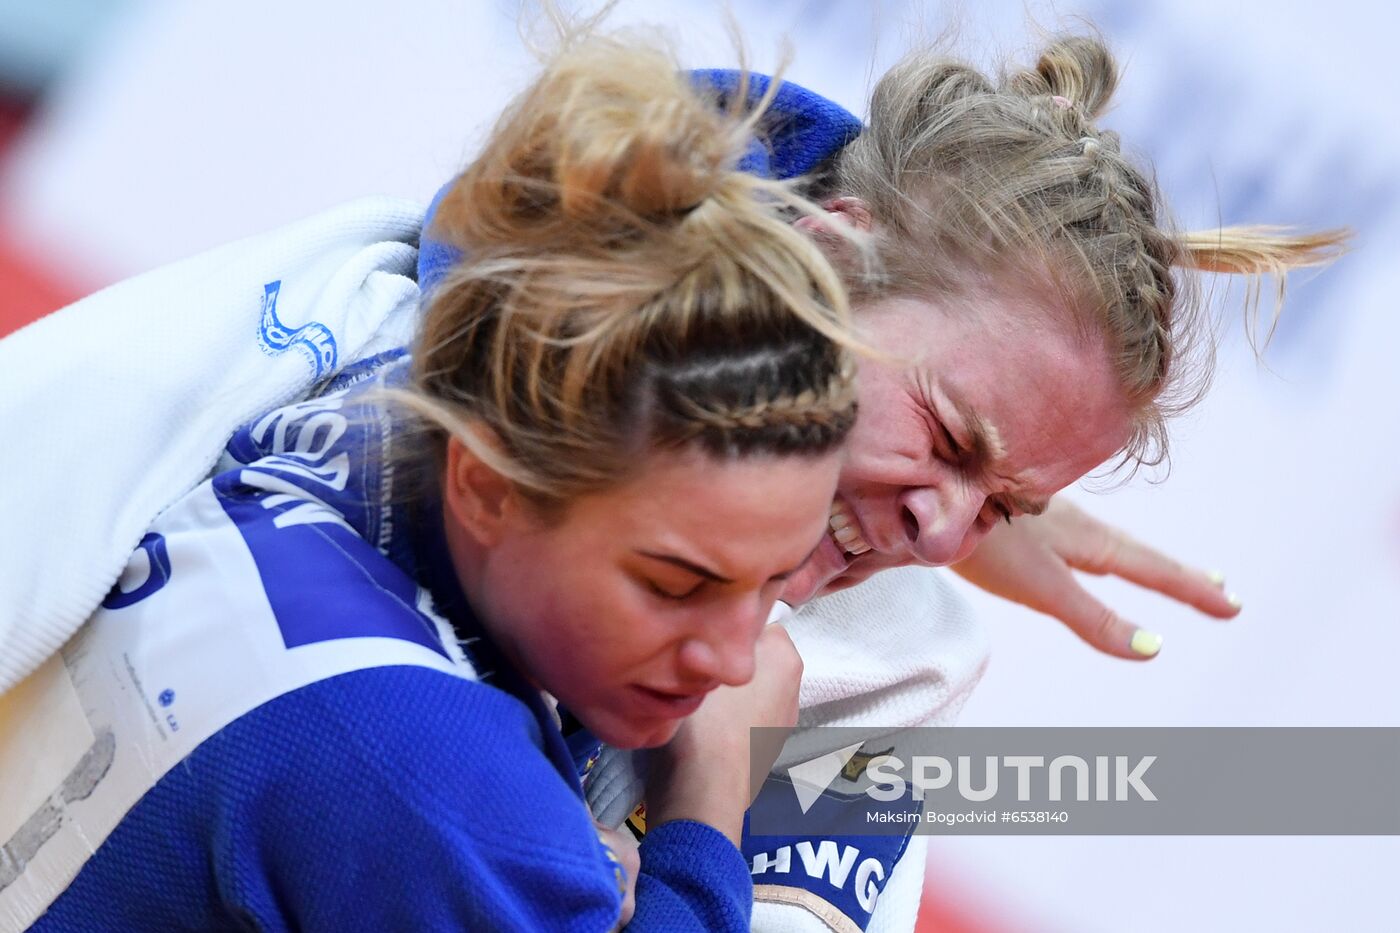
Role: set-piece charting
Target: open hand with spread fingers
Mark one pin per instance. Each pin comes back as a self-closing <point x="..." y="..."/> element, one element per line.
<point x="1032" y="562"/>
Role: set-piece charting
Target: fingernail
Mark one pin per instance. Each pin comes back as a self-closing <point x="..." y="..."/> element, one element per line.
<point x="1216" y="577"/>
<point x="1146" y="643"/>
<point x="1234" y="600"/>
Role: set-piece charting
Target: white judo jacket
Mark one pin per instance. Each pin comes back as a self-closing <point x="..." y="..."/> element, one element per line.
<point x="121" y="403"/>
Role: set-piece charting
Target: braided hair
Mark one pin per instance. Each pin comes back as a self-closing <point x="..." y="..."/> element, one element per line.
<point x="996" y="184"/>
<point x="625" y="288"/>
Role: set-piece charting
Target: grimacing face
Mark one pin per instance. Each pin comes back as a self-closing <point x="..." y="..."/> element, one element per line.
<point x="642" y="599"/>
<point x="986" y="408"/>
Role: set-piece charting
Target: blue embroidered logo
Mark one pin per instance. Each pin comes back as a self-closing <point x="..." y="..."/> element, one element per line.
<point x="314" y="338"/>
<point x="167" y="696"/>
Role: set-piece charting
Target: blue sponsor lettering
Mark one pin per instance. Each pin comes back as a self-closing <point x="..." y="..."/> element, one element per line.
<point x="157" y="574"/>
<point x="302" y="467"/>
<point x="313" y="338"/>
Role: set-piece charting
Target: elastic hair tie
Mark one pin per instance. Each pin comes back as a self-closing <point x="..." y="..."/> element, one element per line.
<point x="1061" y="102"/>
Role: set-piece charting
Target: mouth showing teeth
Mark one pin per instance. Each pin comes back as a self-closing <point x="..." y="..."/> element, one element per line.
<point x="845" y="530"/>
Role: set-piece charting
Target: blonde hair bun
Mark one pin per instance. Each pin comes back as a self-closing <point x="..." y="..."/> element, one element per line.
<point x="611" y="139"/>
<point x="623" y="286"/>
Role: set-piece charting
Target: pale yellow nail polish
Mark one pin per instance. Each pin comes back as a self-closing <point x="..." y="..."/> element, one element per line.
<point x="1234" y="600"/>
<point x="1216" y="577"/>
<point x="1146" y="643"/>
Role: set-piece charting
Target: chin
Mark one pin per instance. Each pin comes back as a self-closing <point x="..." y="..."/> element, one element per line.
<point x="811" y="581"/>
<point x="627" y="735"/>
<point x="858" y="572"/>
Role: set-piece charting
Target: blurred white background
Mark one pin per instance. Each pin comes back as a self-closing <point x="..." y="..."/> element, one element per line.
<point x="160" y="128"/>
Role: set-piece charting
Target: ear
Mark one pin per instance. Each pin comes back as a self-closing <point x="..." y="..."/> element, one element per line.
<point x="853" y="212"/>
<point x="481" y="500"/>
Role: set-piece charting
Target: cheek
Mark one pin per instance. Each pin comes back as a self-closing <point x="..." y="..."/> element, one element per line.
<point x="889" y="446"/>
<point x="543" y="617"/>
<point x="891" y="442"/>
<point x="594" y="628"/>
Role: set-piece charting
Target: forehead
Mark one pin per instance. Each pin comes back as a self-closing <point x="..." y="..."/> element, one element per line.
<point x="756" y="515"/>
<point x="1043" y="397"/>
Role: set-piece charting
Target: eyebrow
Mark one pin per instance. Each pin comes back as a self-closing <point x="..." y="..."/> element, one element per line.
<point x="708" y="574"/>
<point x="684" y="564"/>
<point x="987" y="448"/>
<point x="986" y="443"/>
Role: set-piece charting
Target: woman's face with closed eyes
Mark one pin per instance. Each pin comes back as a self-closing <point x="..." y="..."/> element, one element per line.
<point x="636" y="602"/>
<point x="985" y="408"/>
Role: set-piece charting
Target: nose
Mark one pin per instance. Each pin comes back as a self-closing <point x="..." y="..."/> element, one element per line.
<point x="937" y="521"/>
<point x="722" y="647"/>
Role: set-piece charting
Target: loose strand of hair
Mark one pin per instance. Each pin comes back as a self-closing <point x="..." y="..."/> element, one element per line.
<point x="1257" y="251"/>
